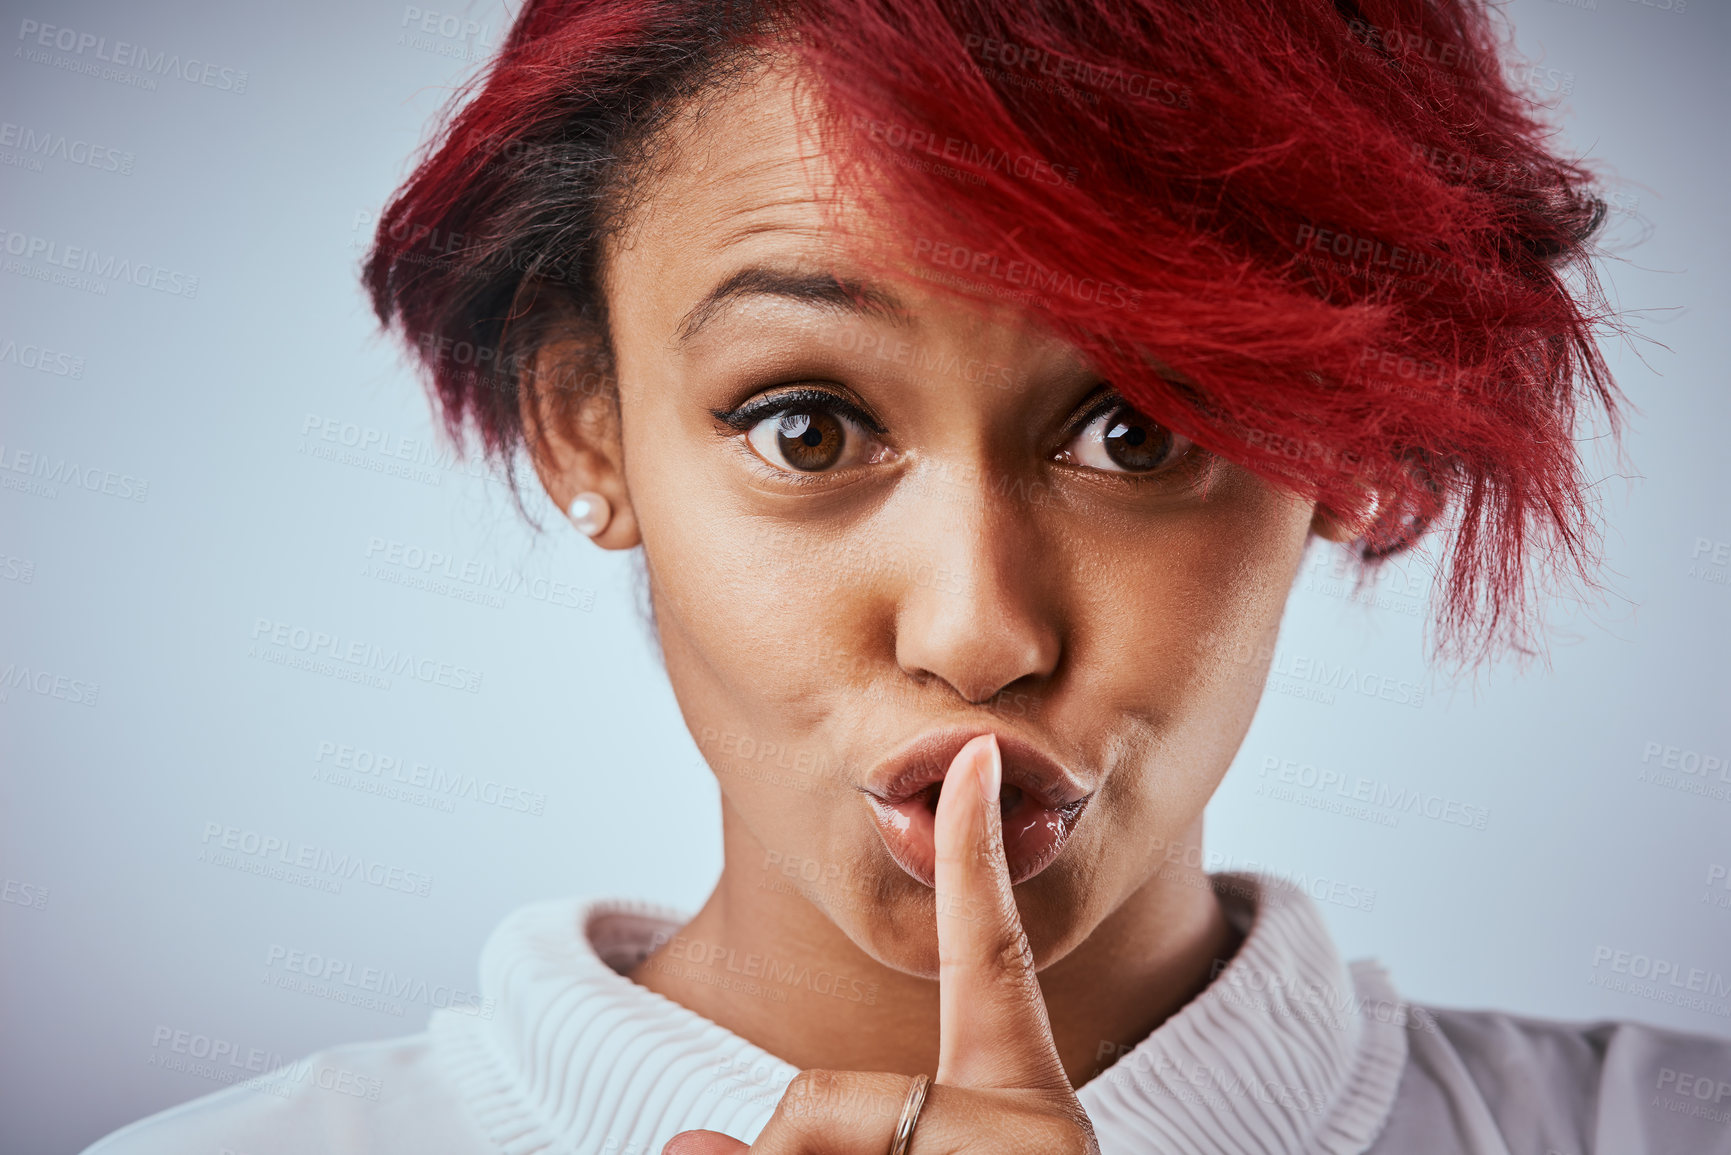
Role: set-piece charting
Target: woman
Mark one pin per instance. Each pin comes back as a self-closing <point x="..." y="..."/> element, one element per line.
<point x="973" y="378"/>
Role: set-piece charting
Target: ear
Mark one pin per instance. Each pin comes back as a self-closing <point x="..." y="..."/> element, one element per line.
<point x="571" y="425"/>
<point x="1331" y="525"/>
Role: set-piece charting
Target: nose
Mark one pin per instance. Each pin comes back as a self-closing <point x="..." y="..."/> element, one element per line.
<point x="978" y="606"/>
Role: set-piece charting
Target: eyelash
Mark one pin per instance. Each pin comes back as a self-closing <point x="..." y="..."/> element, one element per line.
<point x="776" y="404"/>
<point x="1110" y="400"/>
<point x="743" y="417"/>
<point x="1105" y="403"/>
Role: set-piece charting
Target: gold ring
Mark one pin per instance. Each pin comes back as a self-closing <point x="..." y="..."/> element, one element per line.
<point x="910" y="1115"/>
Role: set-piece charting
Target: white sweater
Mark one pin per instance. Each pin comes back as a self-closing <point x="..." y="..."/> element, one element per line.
<point x="1288" y="1050"/>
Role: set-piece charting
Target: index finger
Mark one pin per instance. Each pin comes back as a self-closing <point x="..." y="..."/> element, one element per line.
<point x="993" y="1030"/>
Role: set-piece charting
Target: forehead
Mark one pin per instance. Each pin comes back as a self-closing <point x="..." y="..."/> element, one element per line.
<point x="741" y="182"/>
<point x="734" y="175"/>
<point x="741" y="179"/>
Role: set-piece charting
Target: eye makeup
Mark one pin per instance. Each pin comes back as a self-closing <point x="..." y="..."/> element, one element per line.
<point x="779" y="401"/>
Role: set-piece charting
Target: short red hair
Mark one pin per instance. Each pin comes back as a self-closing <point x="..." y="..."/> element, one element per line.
<point x="1329" y="242"/>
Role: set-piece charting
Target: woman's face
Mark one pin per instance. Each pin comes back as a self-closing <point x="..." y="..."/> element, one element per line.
<point x="915" y="522"/>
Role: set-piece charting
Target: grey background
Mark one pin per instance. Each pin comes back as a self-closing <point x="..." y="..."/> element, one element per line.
<point x="118" y="923"/>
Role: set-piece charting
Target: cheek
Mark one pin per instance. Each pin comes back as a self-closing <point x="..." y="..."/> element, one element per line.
<point x="740" y="600"/>
<point x="1173" y="646"/>
<point x="771" y="619"/>
<point x="1175" y="613"/>
<point x="763" y="635"/>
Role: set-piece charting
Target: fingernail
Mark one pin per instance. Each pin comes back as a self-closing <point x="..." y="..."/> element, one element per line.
<point x="990" y="769"/>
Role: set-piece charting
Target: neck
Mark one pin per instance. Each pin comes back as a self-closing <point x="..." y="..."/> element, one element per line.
<point x="767" y="964"/>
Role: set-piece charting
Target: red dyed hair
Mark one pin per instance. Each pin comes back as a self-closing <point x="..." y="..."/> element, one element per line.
<point x="1328" y="241"/>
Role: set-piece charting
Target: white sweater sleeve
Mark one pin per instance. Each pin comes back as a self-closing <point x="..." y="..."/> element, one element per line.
<point x="384" y="1098"/>
<point x="1487" y="1083"/>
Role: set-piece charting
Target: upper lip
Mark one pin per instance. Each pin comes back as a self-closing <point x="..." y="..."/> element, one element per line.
<point x="925" y="760"/>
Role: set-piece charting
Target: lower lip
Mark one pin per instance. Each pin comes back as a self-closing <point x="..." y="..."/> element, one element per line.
<point x="1033" y="834"/>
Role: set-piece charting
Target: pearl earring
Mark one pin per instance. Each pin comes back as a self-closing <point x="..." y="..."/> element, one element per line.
<point x="590" y="512"/>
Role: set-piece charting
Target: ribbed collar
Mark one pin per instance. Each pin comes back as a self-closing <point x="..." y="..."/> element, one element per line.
<point x="1287" y="1050"/>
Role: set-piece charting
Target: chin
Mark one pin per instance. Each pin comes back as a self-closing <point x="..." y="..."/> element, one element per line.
<point x="899" y="928"/>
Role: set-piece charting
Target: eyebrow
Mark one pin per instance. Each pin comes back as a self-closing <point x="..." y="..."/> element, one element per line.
<point x="824" y="290"/>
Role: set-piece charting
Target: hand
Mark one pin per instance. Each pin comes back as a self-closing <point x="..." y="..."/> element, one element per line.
<point x="1000" y="1088"/>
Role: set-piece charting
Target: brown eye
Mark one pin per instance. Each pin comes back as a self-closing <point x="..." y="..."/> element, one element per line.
<point x="808" y="439"/>
<point x="1122" y="440"/>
